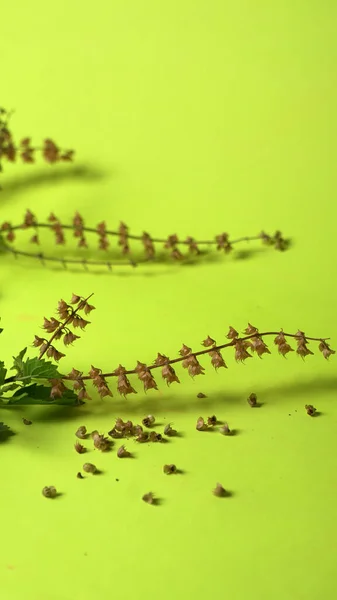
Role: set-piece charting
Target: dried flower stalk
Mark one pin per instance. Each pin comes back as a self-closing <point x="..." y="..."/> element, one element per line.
<point x="79" y="230"/>
<point x="25" y="151"/>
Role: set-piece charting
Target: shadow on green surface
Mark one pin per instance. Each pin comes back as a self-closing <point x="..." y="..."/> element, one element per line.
<point x="167" y="403"/>
<point x="22" y="183"/>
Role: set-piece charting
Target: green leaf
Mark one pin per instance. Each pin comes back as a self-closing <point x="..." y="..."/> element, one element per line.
<point x="9" y="387"/>
<point x="3" y="372"/>
<point x="40" y="394"/>
<point x="40" y="369"/>
<point x="18" y="362"/>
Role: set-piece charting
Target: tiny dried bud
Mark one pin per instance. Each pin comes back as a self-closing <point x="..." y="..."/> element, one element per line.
<point x="79" y="475"/>
<point x="81" y="432"/>
<point x="201" y="395"/>
<point x="69" y="338"/>
<point x="211" y="421"/>
<point x="250" y="329"/>
<point x="148" y="421"/>
<point x="219" y="491"/>
<point x="75" y="299"/>
<point x="311" y="410"/>
<point x="123" y="453"/>
<point x="169" y="469"/>
<point x="38" y="341"/>
<point x="26" y="422"/>
<point x="49" y="491"/>
<point x="89" y="468"/>
<point x="201" y="425"/>
<point x="169" y="431"/>
<point x="224" y="429"/>
<point x="79" y="448"/>
<point x="252" y="400"/>
<point x="149" y="498"/>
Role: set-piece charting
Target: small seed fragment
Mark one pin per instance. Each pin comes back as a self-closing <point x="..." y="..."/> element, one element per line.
<point x="142" y="437"/>
<point x="211" y="421"/>
<point x="169" y="431"/>
<point x="27" y="422"/>
<point x="123" y="453"/>
<point x="155" y="437"/>
<point x="311" y="410"/>
<point x="201" y="395"/>
<point x="219" y="491"/>
<point x="169" y="469"/>
<point x="81" y="432"/>
<point x="79" y="475"/>
<point x="224" y="429"/>
<point x="252" y="400"/>
<point x="148" y="421"/>
<point x="149" y="498"/>
<point x="201" y="425"/>
<point x="89" y="468"/>
<point x="49" y="491"/>
<point x="79" y="448"/>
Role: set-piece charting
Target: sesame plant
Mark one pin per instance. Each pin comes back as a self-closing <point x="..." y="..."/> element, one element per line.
<point x="37" y="380"/>
<point x="24" y="150"/>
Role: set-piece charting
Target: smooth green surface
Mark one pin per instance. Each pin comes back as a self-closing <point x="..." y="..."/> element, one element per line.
<point x="194" y="118"/>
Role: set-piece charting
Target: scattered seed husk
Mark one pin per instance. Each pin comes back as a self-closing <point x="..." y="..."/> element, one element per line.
<point x="49" y="491"/>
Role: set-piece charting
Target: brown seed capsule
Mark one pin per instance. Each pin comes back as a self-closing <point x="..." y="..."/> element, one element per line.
<point x="224" y="429"/>
<point x="201" y="395"/>
<point x="219" y="491"/>
<point x="79" y="448"/>
<point x="101" y="443"/>
<point x="252" y="400"/>
<point x="155" y="437"/>
<point x="89" y="468"/>
<point x="26" y="422"/>
<point x="79" y="475"/>
<point x="149" y="498"/>
<point x="211" y="421"/>
<point x="311" y="410"/>
<point x="123" y="453"/>
<point x="148" y="421"/>
<point x="137" y="429"/>
<point x="115" y="434"/>
<point x="142" y="437"/>
<point x="169" y="431"/>
<point x="49" y="491"/>
<point x="169" y="469"/>
<point x="81" y="432"/>
<point x="201" y="425"/>
<point x="94" y="434"/>
<point x="119" y="424"/>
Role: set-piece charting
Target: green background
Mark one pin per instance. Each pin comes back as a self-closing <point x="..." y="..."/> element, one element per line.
<point x="191" y="118"/>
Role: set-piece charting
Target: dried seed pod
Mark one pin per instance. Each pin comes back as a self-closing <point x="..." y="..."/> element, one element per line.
<point x="211" y="421"/>
<point x="123" y="453"/>
<point x="148" y="421"/>
<point x="142" y="437"/>
<point x="81" y="432"/>
<point x="149" y="498"/>
<point x="27" y="422"/>
<point x="224" y="429"/>
<point x="169" y="431"/>
<point x="201" y="425"/>
<point x="201" y="395"/>
<point x="311" y="410"/>
<point x="94" y="434"/>
<point x="155" y="437"/>
<point x="169" y="469"/>
<point x="252" y="400"/>
<point x="89" y="468"/>
<point x="79" y="475"/>
<point x="137" y="429"/>
<point x="49" y="491"/>
<point x="79" y="448"/>
<point x="100" y="442"/>
<point x="119" y="424"/>
<point x="219" y="491"/>
<point x="115" y="434"/>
